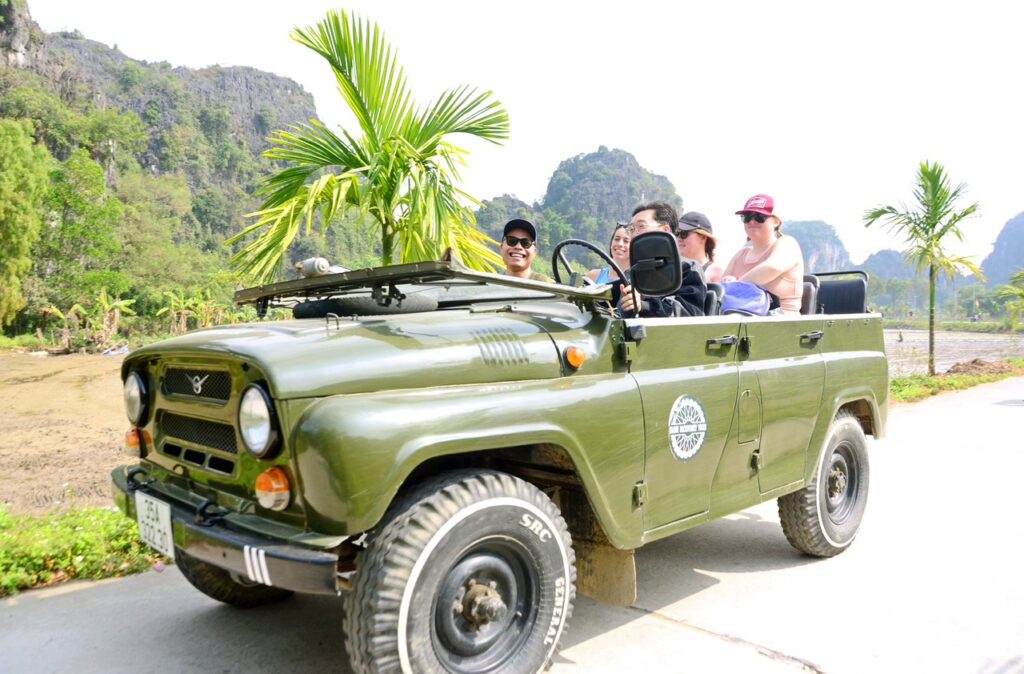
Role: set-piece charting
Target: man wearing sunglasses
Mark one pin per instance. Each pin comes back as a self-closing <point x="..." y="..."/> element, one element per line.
<point x="518" y="248"/>
<point x="689" y="299"/>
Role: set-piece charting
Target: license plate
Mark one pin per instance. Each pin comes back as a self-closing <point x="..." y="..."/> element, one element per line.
<point x="155" y="523"/>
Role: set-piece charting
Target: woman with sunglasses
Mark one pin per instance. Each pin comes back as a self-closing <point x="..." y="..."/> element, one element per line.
<point x="618" y="248"/>
<point x="696" y="241"/>
<point x="772" y="261"/>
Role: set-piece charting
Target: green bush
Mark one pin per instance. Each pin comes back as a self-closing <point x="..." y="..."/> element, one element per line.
<point x="87" y="543"/>
<point x="20" y="342"/>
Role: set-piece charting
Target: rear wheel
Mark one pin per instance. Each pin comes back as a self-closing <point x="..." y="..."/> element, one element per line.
<point x="823" y="518"/>
<point x="219" y="584"/>
<point x="472" y="572"/>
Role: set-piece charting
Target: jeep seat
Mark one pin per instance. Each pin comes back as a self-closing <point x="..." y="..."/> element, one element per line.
<point x="713" y="299"/>
<point x="809" y="300"/>
<point x="843" y="295"/>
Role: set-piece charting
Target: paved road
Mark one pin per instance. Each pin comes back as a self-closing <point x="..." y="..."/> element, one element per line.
<point x="933" y="584"/>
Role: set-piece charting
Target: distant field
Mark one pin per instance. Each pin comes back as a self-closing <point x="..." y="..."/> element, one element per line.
<point x="910" y="356"/>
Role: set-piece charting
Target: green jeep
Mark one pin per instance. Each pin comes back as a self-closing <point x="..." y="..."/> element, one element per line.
<point x="458" y="453"/>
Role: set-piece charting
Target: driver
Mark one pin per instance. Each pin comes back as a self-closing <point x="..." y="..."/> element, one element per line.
<point x="689" y="299"/>
<point x="518" y="248"/>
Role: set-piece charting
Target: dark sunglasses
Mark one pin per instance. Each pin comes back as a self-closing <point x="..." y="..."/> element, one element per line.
<point x="683" y="233"/>
<point x="747" y="217"/>
<point x="513" y="241"/>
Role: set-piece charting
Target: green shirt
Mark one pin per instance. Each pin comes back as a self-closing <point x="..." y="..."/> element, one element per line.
<point x="535" y="276"/>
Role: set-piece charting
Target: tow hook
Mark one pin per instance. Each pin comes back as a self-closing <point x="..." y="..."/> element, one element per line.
<point x="209" y="513"/>
<point x="132" y="484"/>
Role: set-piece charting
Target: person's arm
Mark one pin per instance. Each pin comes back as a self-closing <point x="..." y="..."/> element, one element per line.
<point x="593" y="274"/>
<point x="730" y="269"/>
<point x="714" y="273"/>
<point x="689" y="299"/>
<point x="784" y="256"/>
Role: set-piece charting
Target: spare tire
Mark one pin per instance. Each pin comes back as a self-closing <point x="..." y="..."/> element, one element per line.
<point x="364" y="305"/>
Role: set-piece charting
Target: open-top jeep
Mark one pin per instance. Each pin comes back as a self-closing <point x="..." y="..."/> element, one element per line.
<point x="458" y="453"/>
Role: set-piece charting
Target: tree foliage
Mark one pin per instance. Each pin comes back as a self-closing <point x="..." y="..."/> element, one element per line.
<point x="24" y="169"/>
<point x="80" y="239"/>
<point x="927" y="227"/>
<point x="1013" y="294"/>
<point x="401" y="173"/>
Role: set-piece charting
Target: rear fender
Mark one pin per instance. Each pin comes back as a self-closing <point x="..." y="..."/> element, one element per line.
<point x="859" y="400"/>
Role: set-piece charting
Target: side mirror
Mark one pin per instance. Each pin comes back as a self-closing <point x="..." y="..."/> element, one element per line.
<point x="654" y="264"/>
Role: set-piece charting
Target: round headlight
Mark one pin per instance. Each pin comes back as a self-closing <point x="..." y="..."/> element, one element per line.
<point x="256" y="422"/>
<point x="135" y="398"/>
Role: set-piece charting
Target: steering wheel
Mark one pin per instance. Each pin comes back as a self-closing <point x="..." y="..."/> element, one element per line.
<point x="557" y="256"/>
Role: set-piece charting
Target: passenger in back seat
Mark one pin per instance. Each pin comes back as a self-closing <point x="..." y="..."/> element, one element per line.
<point x="772" y="261"/>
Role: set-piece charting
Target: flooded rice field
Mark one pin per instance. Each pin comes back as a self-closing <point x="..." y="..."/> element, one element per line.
<point x="908" y="349"/>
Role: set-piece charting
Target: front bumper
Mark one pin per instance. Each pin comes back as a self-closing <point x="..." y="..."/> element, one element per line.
<point x="222" y="542"/>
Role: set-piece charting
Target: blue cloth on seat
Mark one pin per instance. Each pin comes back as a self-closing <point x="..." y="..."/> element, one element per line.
<point x="742" y="297"/>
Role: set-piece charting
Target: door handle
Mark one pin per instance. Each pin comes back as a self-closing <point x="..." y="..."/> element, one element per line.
<point x="812" y="336"/>
<point x="728" y="340"/>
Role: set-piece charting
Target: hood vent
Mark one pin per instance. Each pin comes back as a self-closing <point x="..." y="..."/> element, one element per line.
<point x="501" y="347"/>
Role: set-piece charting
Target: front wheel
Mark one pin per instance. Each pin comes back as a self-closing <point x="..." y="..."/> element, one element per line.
<point x="823" y="518"/>
<point x="470" y="573"/>
<point x="220" y="585"/>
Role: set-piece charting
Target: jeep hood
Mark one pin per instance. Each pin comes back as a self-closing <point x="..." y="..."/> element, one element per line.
<point x="320" y="357"/>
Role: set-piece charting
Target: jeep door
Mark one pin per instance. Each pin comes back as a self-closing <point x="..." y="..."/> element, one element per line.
<point x="782" y="374"/>
<point x="687" y="373"/>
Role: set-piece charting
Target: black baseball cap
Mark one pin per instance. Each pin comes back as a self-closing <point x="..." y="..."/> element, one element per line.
<point x="519" y="223"/>
<point x="696" y="221"/>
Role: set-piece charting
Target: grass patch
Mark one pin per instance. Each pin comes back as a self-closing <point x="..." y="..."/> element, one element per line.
<point x="86" y="543"/>
<point x="921" y="386"/>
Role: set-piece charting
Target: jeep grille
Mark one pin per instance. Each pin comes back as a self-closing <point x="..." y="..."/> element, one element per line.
<point x="199" y="432"/>
<point x="212" y="384"/>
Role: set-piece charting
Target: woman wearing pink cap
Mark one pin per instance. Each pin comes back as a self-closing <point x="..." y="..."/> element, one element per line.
<point x="772" y="261"/>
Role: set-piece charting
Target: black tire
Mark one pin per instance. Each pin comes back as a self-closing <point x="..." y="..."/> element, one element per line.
<point x="364" y="305"/>
<point x="823" y="518"/>
<point x="411" y="606"/>
<point x="218" y="584"/>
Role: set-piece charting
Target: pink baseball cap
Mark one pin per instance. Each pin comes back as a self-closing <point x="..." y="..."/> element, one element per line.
<point x="759" y="203"/>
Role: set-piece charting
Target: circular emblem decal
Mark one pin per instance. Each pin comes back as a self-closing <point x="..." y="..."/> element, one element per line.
<point x="687" y="428"/>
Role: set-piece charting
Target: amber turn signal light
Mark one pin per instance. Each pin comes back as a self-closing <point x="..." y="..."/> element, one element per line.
<point x="136" y="440"/>
<point x="575" y="357"/>
<point x="272" y="489"/>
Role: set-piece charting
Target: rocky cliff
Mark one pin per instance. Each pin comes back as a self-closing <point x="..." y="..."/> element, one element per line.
<point x="823" y="249"/>
<point x="253" y="103"/>
<point x="1007" y="256"/>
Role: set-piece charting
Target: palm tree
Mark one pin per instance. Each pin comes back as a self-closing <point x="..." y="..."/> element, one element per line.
<point x="925" y="229"/>
<point x="1014" y="293"/>
<point x="401" y="172"/>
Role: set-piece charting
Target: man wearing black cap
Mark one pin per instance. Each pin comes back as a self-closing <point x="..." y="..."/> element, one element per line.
<point x="518" y="248"/>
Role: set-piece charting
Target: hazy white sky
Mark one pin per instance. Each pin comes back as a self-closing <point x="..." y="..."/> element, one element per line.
<point x="828" y="107"/>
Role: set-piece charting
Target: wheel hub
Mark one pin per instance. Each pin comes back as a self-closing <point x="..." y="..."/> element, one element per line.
<point x="837" y="481"/>
<point x="479" y="604"/>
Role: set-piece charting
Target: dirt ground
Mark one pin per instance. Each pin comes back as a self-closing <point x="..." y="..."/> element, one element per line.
<point x="62" y="427"/>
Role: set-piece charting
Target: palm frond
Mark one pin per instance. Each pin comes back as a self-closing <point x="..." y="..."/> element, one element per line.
<point x="461" y="110"/>
<point x="366" y="70"/>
